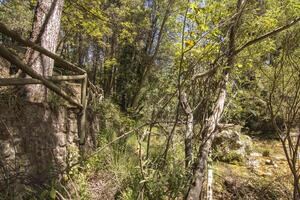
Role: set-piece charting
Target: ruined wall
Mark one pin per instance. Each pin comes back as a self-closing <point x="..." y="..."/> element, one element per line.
<point x="37" y="143"/>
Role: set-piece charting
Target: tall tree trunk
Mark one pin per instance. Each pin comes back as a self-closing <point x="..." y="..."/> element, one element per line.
<point x="45" y="32"/>
<point x="111" y="70"/>
<point x="148" y="60"/>
<point x="80" y="50"/>
<point x="97" y="64"/>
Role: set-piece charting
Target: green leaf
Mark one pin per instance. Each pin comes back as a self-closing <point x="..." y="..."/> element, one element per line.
<point x="52" y="193"/>
<point x="239" y="65"/>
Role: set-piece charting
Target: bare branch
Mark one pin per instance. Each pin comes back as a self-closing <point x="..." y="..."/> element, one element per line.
<point x="269" y="34"/>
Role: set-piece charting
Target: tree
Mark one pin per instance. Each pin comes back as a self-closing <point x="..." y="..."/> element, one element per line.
<point x="282" y="81"/>
<point x="45" y="31"/>
<point x="209" y="129"/>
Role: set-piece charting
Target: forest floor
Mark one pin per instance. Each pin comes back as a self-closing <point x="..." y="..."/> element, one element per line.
<point x="263" y="175"/>
<point x="101" y="186"/>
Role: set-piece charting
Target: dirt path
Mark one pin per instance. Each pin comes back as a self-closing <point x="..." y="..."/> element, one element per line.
<point x="102" y="187"/>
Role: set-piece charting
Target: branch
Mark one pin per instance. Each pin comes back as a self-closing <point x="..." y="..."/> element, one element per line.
<point x="161" y="30"/>
<point x="211" y="70"/>
<point x="205" y="73"/>
<point x="269" y="34"/>
<point x="185" y="104"/>
<point x="97" y="151"/>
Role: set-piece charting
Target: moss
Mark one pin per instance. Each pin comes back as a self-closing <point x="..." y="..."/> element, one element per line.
<point x="237" y="182"/>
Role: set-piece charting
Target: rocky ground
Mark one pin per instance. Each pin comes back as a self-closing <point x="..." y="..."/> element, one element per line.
<point x="263" y="173"/>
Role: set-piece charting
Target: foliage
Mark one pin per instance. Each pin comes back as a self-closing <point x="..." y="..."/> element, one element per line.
<point x="17" y="14"/>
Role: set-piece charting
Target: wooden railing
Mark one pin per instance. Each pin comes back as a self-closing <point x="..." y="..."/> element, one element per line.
<point x="50" y="81"/>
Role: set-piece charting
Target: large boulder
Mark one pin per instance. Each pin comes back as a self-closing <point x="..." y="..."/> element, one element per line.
<point x="230" y="145"/>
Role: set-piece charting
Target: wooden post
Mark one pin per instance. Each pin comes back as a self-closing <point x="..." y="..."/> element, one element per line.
<point x="18" y="81"/>
<point x="210" y="184"/>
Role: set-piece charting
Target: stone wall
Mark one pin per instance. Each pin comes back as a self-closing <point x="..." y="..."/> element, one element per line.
<point x="37" y="143"/>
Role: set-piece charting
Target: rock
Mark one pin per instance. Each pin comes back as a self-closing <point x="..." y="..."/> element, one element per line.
<point x="231" y="143"/>
<point x="267" y="174"/>
<point x="4" y="69"/>
<point x="253" y="164"/>
<point x="269" y="162"/>
<point x="256" y="154"/>
<point x="7" y="149"/>
<point x="279" y="158"/>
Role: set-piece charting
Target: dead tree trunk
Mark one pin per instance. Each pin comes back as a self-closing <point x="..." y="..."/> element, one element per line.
<point x="45" y="32"/>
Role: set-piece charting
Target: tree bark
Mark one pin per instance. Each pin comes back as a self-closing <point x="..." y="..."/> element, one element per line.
<point x="80" y="50"/>
<point x="209" y="133"/>
<point x="296" y="195"/>
<point x="45" y="31"/>
<point x="97" y="64"/>
<point x="188" y="140"/>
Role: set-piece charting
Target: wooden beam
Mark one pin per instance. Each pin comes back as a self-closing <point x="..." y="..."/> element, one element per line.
<point x="5" y="53"/>
<point x="26" y="81"/>
<point x="18" y="81"/>
<point x="66" y="78"/>
<point x="58" y="60"/>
